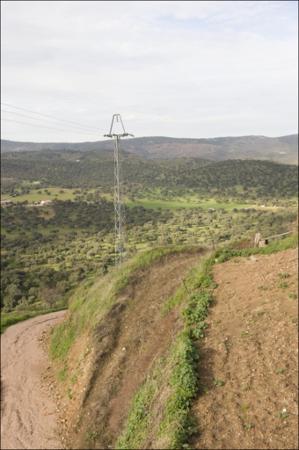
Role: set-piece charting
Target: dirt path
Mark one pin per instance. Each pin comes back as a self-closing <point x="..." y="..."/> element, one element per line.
<point x="250" y="357"/>
<point x="126" y="344"/>
<point x="28" y="414"/>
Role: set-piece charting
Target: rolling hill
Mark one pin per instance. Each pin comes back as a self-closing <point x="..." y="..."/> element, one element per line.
<point x="92" y="169"/>
<point x="282" y="149"/>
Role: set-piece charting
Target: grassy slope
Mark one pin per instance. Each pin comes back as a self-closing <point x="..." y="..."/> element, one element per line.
<point x="160" y="411"/>
<point x="95" y="297"/>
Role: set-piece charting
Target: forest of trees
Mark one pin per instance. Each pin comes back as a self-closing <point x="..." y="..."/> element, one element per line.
<point x="91" y="169"/>
<point x="47" y="251"/>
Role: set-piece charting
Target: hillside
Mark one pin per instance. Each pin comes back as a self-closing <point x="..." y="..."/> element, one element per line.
<point x="136" y="352"/>
<point x="118" y="332"/>
<point x="88" y="169"/>
<point x="282" y="149"/>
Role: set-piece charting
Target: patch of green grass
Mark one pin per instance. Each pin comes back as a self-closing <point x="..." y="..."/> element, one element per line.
<point x="283" y="414"/>
<point x="280" y="371"/>
<point x="139" y="418"/>
<point x="284" y="275"/>
<point x="292" y="295"/>
<point x="190" y="202"/>
<point x="74" y="379"/>
<point x="69" y="393"/>
<point x="91" y="436"/>
<point x="178" y="424"/>
<point x="63" y="337"/>
<point x="62" y="374"/>
<point x="245" y="408"/>
<point x="196" y="313"/>
<point x="283" y="285"/>
<point x="175" y="374"/>
<point x="174" y="300"/>
<point x="218" y="383"/>
<point x="161" y="204"/>
<point x="184" y="291"/>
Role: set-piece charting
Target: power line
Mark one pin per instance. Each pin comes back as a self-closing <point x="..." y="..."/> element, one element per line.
<point x="38" y="126"/>
<point x="40" y="118"/>
<point x="37" y="118"/>
<point x="49" y="116"/>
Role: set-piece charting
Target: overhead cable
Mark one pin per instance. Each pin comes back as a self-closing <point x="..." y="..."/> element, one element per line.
<point x="71" y="127"/>
<point x="40" y="125"/>
<point x="50" y="116"/>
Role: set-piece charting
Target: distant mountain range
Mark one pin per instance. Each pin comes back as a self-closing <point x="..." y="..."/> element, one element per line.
<point x="282" y="149"/>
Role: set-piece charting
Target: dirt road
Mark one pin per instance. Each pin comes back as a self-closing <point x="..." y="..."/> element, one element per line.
<point x="28" y="414"/>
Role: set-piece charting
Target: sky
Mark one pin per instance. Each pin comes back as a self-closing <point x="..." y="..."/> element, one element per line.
<point x="176" y="68"/>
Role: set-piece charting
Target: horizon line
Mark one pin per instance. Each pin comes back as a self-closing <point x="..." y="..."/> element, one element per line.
<point x="151" y="136"/>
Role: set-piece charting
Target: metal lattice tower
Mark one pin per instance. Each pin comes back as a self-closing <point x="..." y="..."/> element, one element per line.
<point x="118" y="207"/>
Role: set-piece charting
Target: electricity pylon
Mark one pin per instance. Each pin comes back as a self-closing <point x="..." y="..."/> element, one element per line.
<point x="118" y="207"/>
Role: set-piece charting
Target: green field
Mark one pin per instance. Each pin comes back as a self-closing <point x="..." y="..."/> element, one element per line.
<point x="191" y="203"/>
<point x="37" y="195"/>
<point x="154" y="201"/>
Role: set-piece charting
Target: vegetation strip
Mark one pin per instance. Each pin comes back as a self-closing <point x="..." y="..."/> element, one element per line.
<point x="180" y="365"/>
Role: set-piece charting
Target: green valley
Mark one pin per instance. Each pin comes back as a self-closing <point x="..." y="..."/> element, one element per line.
<point x="58" y="216"/>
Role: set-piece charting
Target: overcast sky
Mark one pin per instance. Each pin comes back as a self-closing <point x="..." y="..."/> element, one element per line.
<point x="182" y="69"/>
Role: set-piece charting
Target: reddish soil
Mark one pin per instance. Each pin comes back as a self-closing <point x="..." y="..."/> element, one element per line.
<point x="249" y="357"/>
<point x="29" y="415"/>
<point x="126" y="343"/>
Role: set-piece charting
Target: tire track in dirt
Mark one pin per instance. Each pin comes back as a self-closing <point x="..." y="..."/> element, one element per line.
<point x="28" y="414"/>
<point x="126" y="343"/>
<point x="249" y="357"/>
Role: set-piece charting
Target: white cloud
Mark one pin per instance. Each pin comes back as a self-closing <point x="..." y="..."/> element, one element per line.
<point x="193" y="69"/>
